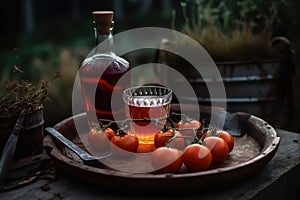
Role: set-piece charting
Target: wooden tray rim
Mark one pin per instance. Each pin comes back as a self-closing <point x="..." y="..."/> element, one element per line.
<point x="264" y="156"/>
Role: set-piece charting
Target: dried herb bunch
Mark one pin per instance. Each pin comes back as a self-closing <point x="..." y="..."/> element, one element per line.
<point x="22" y="95"/>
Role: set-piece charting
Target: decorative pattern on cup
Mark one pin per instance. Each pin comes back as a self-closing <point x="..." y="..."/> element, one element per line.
<point x="147" y="96"/>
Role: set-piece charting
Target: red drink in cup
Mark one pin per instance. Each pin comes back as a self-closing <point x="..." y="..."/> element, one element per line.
<point x="148" y="107"/>
<point x="145" y="129"/>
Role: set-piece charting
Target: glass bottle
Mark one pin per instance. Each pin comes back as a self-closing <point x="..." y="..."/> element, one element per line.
<point x="101" y="74"/>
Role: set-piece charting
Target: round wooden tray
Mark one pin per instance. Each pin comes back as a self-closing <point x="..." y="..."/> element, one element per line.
<point x="253" y="149"/>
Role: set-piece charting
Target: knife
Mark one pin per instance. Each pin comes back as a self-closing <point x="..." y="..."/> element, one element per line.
<point x="84" y="156"/>
<point x="9" y="148"/>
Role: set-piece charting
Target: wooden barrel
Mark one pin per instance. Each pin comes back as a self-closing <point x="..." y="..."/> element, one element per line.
<point x="251" y="87"/>
<point x="254" y="87"/>
<point x="30" y="140"/>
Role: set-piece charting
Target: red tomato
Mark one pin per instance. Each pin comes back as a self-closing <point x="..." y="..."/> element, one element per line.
<point x="162" y="137"/>
<point x="98" y="140"/>
<point x="166" y="160"/>
<point x="109" y="133"/>
<point x="197" y="157"/>
<point x="228" y="139"/>
<point x="122" y="145"/>
<point x="218" y="148"/>
<point x="207" y="133"/>
<point x="191" y="124"/>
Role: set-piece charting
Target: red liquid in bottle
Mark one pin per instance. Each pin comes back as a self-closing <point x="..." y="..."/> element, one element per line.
<point x="99" y="76"/>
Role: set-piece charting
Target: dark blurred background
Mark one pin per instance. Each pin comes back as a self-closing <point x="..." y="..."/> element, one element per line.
<point x="42" y="37"/>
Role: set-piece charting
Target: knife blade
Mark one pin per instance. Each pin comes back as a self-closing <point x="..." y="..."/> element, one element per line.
<point x="84" y="156"/>
<point x="9" y="148"/>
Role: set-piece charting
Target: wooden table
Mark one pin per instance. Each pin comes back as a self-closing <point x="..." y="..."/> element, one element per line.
<point x="279" y="179"/>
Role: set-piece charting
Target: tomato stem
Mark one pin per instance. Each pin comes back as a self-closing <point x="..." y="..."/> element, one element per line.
<point x="165" y="121"/>
<point x="121" y="133"/>
<point x="184" y="118"/>
<point x="165" y="128"/>
<point x="198" y="139"/>
<point x="213" y="130"/>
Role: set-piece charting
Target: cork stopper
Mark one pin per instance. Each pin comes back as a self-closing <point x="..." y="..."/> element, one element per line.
<point x="103" y="20"/>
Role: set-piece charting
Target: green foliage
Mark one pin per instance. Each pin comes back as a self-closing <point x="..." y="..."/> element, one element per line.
<point x="233" y="29"/>
<point x="35" y="59"/>
<point x="230" y="15"/>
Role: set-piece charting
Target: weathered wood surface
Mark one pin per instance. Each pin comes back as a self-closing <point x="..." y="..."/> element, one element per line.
<point x="279" y="179"/>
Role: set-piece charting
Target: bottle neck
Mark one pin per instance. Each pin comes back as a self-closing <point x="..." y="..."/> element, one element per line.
<point x="106" y="39"/>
